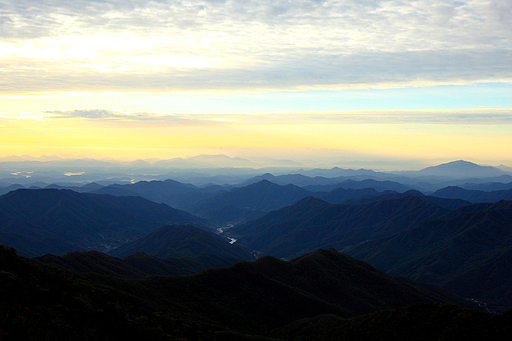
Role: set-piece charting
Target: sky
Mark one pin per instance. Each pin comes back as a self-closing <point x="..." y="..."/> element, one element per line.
<point x="334" y="81"/>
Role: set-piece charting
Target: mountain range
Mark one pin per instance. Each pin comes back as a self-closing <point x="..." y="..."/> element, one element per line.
<point x="169" y="250"/>
<point x="226" y="170"/>
<point x="33" y="220"/>
<point x="259" y="258"/>
<point x="137" y="265"/>
<point x="473" y="196"/>
<point x="225" y="205"/>
<point x="254" y="199"/>
<point x="468" y="252"/>
<point x="312" y="223"/>
<point x="246" y="301"/>
<point x="170" y="192"/>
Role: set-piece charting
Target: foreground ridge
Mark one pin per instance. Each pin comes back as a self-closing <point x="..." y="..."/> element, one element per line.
<point x="248" y="298"/>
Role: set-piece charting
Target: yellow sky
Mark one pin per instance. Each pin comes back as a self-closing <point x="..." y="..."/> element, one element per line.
<point x="145" y="135"/>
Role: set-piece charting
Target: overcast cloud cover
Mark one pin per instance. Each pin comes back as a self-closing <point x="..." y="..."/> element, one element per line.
<point x="217" y="45"/>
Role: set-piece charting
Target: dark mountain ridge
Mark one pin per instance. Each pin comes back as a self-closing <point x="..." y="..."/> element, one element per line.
<point x="137" y="265"/>
<point x="474" y="196"/>
<point x="447" y="203"/>
<point x="488" y="186"/>
<point x="340" y="195"/>
<point x="251" y="200"/>
<point x="312" y="223"/>
<point x="84" y="220"/>
<point x="468" y="251"/>
<point x="326" y="184"/>
<point x="216" y="304"/>
<point x="263" y="195"/>
<point x="425" y="321"/>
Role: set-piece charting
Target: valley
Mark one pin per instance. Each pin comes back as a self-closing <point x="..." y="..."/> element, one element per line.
<point x="266" y="258"/>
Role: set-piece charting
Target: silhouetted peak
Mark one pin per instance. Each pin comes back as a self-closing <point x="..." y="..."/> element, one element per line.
<point x="320" y="252"/>
<point x="263" y="183"/>
<point x="450" y="189"/>
<point x="171" y="181"/>
<point x="461" y="162"/>
<point x="309" y="201"/>
<point x="414" y="193"/>
<point x="268" y="261"/>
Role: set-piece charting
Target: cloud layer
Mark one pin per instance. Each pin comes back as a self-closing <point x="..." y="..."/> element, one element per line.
<point x="250" y="45"/>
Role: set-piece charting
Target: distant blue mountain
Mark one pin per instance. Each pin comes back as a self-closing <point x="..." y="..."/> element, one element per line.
<point x="461" y="169"/>
<point x="170" y="192"/>
<point x="263" y="196"/>
<point x="488" y="187"/>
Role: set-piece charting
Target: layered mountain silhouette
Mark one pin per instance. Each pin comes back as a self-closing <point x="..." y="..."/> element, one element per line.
<point x="90" y="187"/>
<point x="327" y="184"/>
<point x="7" y="189"/>
<point x="58" y="221"/>
<point x="468" y="252"/>
<point x="263" y="196"/>
<point x="489" y="186"/>
<point x="252" y="201"/>
<point x="473" y="196"/>
<point x="164" y="275"/>
<point x="377" y="185"/>
<point x="312" y="223"/>
<point x="340" y="194"/>
<point x="170" y="192"/>
<point x="218" y="304"/>
<point x="214" y="203"/>
<point x="447" y="203"/>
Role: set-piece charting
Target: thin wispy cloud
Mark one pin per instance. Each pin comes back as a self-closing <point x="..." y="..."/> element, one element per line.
<point x="417" y="117"/>
<point x="161" y="119"/>
<point x="250" y="45"/>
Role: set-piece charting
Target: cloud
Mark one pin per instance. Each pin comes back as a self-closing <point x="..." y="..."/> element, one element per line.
<point x="456" y="117"/>
<point x="364" y="70"/>
<point x="89" y="113"/>
<point x="103" y="114"/>
<point x="161" y="119"/>
<point x="250" y="45"/>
